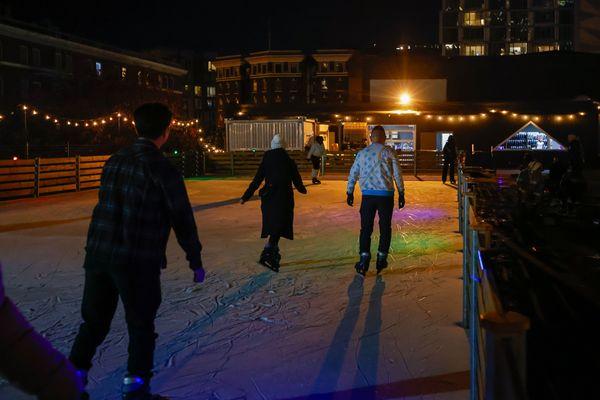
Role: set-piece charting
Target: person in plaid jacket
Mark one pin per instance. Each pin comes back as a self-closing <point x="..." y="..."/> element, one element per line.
<point x="142" y="196"/>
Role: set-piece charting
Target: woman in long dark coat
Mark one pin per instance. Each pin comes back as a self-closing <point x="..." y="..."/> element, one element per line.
<point x="279" y="172"/>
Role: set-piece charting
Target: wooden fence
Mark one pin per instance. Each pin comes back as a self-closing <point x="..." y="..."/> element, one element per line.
<point x="246" y="163"/>
<point x="41" y="176"/>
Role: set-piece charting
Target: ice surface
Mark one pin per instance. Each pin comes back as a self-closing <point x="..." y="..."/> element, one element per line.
<point x="248" y="333"/>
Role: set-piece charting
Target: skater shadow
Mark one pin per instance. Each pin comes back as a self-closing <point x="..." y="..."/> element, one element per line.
<point x="222" y="203"/>
<point x="325" y="260"/>
<point x="429" y="385"/>
<point x="334" y="359"/>
<point x="189" y="337"/>
<point x="368" y="353"/>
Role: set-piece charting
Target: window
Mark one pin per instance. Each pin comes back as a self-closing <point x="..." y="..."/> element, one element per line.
<point x="278" y="68"/>
<point x="497" y="4"/>
<point x="1" y="86"/>
<point x="450" y="34"/>
<point x="254" y="70"/>
<point x="324" y="87"/>
<point x="278" y="99"/>
<point x="263" y="68"/>
<point x="544" y="33"/>
<point x="198" y="90"/>
<point x="171" y="83"/>
<point x="324" y="67"/>
<point x="58" y="60"/>
<point x="98" y="69"/>
<point x="270" y="67"/>
<point x="139" y="77"/>
<point x="543" y="17"/>
<point x="123" y="73"/>
<point x="255" y="86"/>
<point x="473" y="18"/>
<point x="518" y="4"/>
<point x="473" y="34"/>
<point x="160" y="81"/>
<point x="211" y="66"/>
<point x="35" y="55"/>
<point x="450" y="20"/>
<point x="147" y="79"/>
<point x="24" y="88"/>
<point x="294" y="67"/>
<point x="278" y="85"/>
<point x="470" y="4"/>
<point x="339" y="67"/>
<point x="210" y="91"/>
<point x="23" y="54"/>
<point x="498" y="34"/>
<point x="546" y="47"/>
<point x="498" y="18"/>
<point x="69" y="63"/>
<point x="517" y="48"/>
<point x="474" y="50"/>
<point x="198" y="104"/>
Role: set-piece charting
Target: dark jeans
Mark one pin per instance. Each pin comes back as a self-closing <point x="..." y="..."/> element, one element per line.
<point x="384" y="206"/>
<point x="316" y="162"/>
<point x="448" y="165"/>
<point x="141" y="296"/>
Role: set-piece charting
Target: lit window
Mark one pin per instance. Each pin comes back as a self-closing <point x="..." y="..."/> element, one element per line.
<point x="211" y="67"/>
<point x="518" y="48"/>
<point x="139" y="77"/>
<point x="123" y="72"/>
<point x="198" y="90"/>
<point x="474" y="50"/>
<point x="473" y="18"/>
<point x="210" y="91"/>
<point x="255" y="85"/>
<point x="98" y="68"/>
<point x="324" y="85"/>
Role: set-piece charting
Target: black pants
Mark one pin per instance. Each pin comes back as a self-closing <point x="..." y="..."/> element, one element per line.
<point x="448" y="165"/>
<point x="141" y="297"/>
<point x="316" y="162"/>
<point x="384" y="206"/>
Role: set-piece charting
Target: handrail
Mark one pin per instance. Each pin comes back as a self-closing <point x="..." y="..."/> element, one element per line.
<point x="496" y="336"/>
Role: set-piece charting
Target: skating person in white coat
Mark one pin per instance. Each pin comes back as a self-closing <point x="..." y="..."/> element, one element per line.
<point x="316" y="152"/>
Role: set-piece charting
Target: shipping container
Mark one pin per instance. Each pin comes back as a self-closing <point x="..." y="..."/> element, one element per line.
<point x="257" y="134"/>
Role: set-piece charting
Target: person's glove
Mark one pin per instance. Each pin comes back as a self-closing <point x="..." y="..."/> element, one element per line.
<point x="302" y="190"/>
<point x="401" y="201"/>
<point x="350" y="199"/>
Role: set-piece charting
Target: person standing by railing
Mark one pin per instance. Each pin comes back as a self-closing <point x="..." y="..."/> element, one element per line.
<point x="316" y="152"/>
<point x="377" y="170"/>
<point x="450" y="155"/>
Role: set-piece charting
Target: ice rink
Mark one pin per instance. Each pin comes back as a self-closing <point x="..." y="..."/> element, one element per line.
<point x="313" y="331"/>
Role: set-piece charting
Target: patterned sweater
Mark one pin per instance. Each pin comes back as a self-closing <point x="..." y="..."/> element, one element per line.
<point x="376" y="169"/>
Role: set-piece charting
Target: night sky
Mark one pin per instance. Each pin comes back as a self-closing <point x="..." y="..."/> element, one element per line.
<point x="232" y="26"/>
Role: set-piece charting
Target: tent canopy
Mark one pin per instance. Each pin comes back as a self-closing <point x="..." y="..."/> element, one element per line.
<point x="530" y="137"/>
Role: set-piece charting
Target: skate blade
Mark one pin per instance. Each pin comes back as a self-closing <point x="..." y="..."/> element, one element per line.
<point x="266" y="265"/>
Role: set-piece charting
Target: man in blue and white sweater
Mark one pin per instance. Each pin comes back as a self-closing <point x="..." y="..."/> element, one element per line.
<point x="377" y="170"/>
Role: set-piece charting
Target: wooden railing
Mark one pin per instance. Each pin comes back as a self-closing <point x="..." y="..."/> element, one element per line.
<point x="41" y="176"/>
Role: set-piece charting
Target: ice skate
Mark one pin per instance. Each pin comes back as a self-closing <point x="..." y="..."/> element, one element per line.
<point x="381" y="262"/>
<point x="362" y="266"/>
<point x="270" y="258"/>
<point x="137" y="388"/>
<point x="316" y="181"/>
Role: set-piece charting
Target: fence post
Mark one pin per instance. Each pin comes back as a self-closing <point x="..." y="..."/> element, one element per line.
<point x="466" y="273"/>
<point x="505" y="349"/>
<point x="415" y="158"/>
<point x="231" y="163"/>
<point x="36" y="178"/>
<point x="78" y="172"/>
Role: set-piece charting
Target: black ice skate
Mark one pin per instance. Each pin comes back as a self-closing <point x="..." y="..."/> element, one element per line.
<point x="315" y="181"/>
<point x="381" y="261"/>
<point x="270" y="258"/>
<point x="137" y="388"/>
<point x="362" y="266"/>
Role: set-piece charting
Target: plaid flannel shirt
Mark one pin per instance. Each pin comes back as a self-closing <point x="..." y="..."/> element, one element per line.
<point x="142" y="195"/>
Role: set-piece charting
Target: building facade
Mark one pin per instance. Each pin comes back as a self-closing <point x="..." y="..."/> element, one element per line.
<point x="281" y="78"/>
<point x="515" y="27"/>
<point x="73" y="77"/>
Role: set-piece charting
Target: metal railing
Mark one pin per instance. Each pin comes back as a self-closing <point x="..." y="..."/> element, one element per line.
<point x="497" y="337"/>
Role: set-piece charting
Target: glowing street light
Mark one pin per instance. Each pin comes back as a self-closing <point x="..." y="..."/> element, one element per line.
<point x="405" y="99"/>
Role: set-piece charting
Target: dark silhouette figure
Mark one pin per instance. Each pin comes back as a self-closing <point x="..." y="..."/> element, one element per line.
<point x="450" y="155"/>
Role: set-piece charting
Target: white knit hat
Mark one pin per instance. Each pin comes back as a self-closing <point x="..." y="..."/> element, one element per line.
<point x="278" y="142"/>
